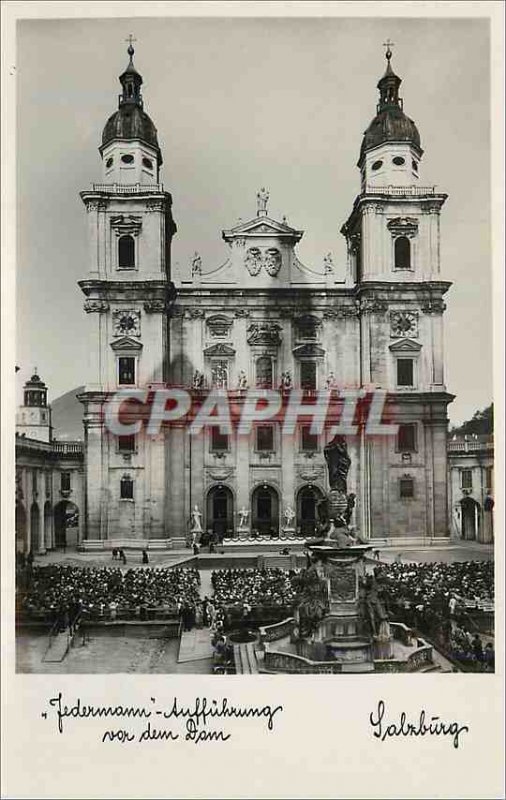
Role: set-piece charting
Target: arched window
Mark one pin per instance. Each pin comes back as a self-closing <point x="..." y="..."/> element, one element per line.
<point x="126" y="252"/>
<point x="402" y="253"/>
<point x="264" y="372"/>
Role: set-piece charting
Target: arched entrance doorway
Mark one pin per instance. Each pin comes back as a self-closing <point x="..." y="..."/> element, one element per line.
<point x="66" y="522"/>
<point x="37" y="544"/>
<point x="470" y="518"/>
<point x="220" y="511"/>
<point x="21" y="532"/>
<point x="265" y="510"/>
<point x="307" y="499"/>
<point x="48" y="537"/>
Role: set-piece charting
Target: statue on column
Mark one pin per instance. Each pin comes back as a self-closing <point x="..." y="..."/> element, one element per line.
<point x="334" y="512"/>
<point x="338" y="463"/>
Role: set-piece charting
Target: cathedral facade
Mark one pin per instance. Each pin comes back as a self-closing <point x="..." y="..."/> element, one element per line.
<point x="263" y="319"/>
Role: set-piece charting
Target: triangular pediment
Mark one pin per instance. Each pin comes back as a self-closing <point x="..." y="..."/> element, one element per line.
<point x="126" y="344"/>
<point x="308" y="351"/>
<point x="219" y="350"/>
<point x="263" y="226"/>
<point x="405" y="346"/>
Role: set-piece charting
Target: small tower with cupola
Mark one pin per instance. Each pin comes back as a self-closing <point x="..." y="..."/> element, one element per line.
<point x="33" y="418"/>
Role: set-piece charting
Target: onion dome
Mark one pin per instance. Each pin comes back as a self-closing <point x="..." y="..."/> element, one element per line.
<point x="130" y="121"/>
<point x="390" y="123"/>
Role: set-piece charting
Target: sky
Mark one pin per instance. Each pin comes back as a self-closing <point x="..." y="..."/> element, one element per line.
<point x="240" y="104"/>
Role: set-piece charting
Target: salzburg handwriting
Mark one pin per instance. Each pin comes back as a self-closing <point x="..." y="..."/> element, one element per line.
<point x="422" y="727"/>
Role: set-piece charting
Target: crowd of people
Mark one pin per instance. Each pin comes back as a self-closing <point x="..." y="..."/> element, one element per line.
<point x="105" y="591"/>
<point x="437" y="599"/>
<point x="470" y="583"/>
<point x="245" y="591"/>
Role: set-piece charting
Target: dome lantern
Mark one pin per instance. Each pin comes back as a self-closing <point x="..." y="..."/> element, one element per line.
<point x="130" y="151"/>
<point x="391" y="149"/>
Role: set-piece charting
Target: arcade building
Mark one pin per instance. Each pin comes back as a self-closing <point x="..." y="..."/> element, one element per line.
<point x="262" y="318"/>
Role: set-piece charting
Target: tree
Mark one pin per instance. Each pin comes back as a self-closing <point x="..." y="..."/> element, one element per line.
<point x="481" y="423"/>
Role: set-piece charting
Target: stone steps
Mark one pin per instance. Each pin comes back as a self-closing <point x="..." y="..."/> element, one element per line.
<point x="245" y="659"/>
<point x="57" y="648"/>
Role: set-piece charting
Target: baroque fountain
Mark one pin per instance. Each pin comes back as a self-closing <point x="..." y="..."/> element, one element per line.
<point x="340" y="624"/>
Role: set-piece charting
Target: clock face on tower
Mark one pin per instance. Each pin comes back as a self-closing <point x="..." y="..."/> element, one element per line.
<point x="127" y="322"/>
<point x="403" y="323"/>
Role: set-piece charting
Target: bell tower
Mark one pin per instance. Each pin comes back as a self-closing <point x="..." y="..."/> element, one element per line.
<point x="33" y="418"/>
<point x="393" y="238"/>
<point x="128" y="293"/>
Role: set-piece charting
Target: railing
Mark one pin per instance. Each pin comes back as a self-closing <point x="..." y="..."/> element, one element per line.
<point x="55" y="630"/>
<point x="471" y="446"/>
<point x="400" y="191"/>
<point x="127" y="188"/>
<point x="68" y="448"/>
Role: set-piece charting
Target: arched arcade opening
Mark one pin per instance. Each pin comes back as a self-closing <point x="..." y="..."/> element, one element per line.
<point x="265" y="510"/>
<point x="307" y="498"/>
<point x="220" y="511"/>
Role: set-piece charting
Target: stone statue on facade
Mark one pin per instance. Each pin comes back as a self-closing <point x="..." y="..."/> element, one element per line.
<point x="328" y="264"/>
<point x="196" y="516"/>
<point x="289" y="516"/>
<point x="262" y="200"/>
<point x="243" y="517"/>
<point x="196" y="265"/>
<point x="198" y="380"/>
<point x="242" y="380"/>
<point x="286" y="380"/>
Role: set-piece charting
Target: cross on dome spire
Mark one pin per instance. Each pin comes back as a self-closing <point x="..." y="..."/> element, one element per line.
<point x="389" y="83"/>
<point x="388" y="44"/>
<point x="130" y="80"/>
<point x="130" y="50"/>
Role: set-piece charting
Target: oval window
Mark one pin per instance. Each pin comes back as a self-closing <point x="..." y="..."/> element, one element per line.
<point x="109" y="162"/>
<point x="398" y="161"/>
<point x="127" y="159"/>
<point x="377" y="165"/>
<point x="147" y="163"/>
<point x="415" y="166"/>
